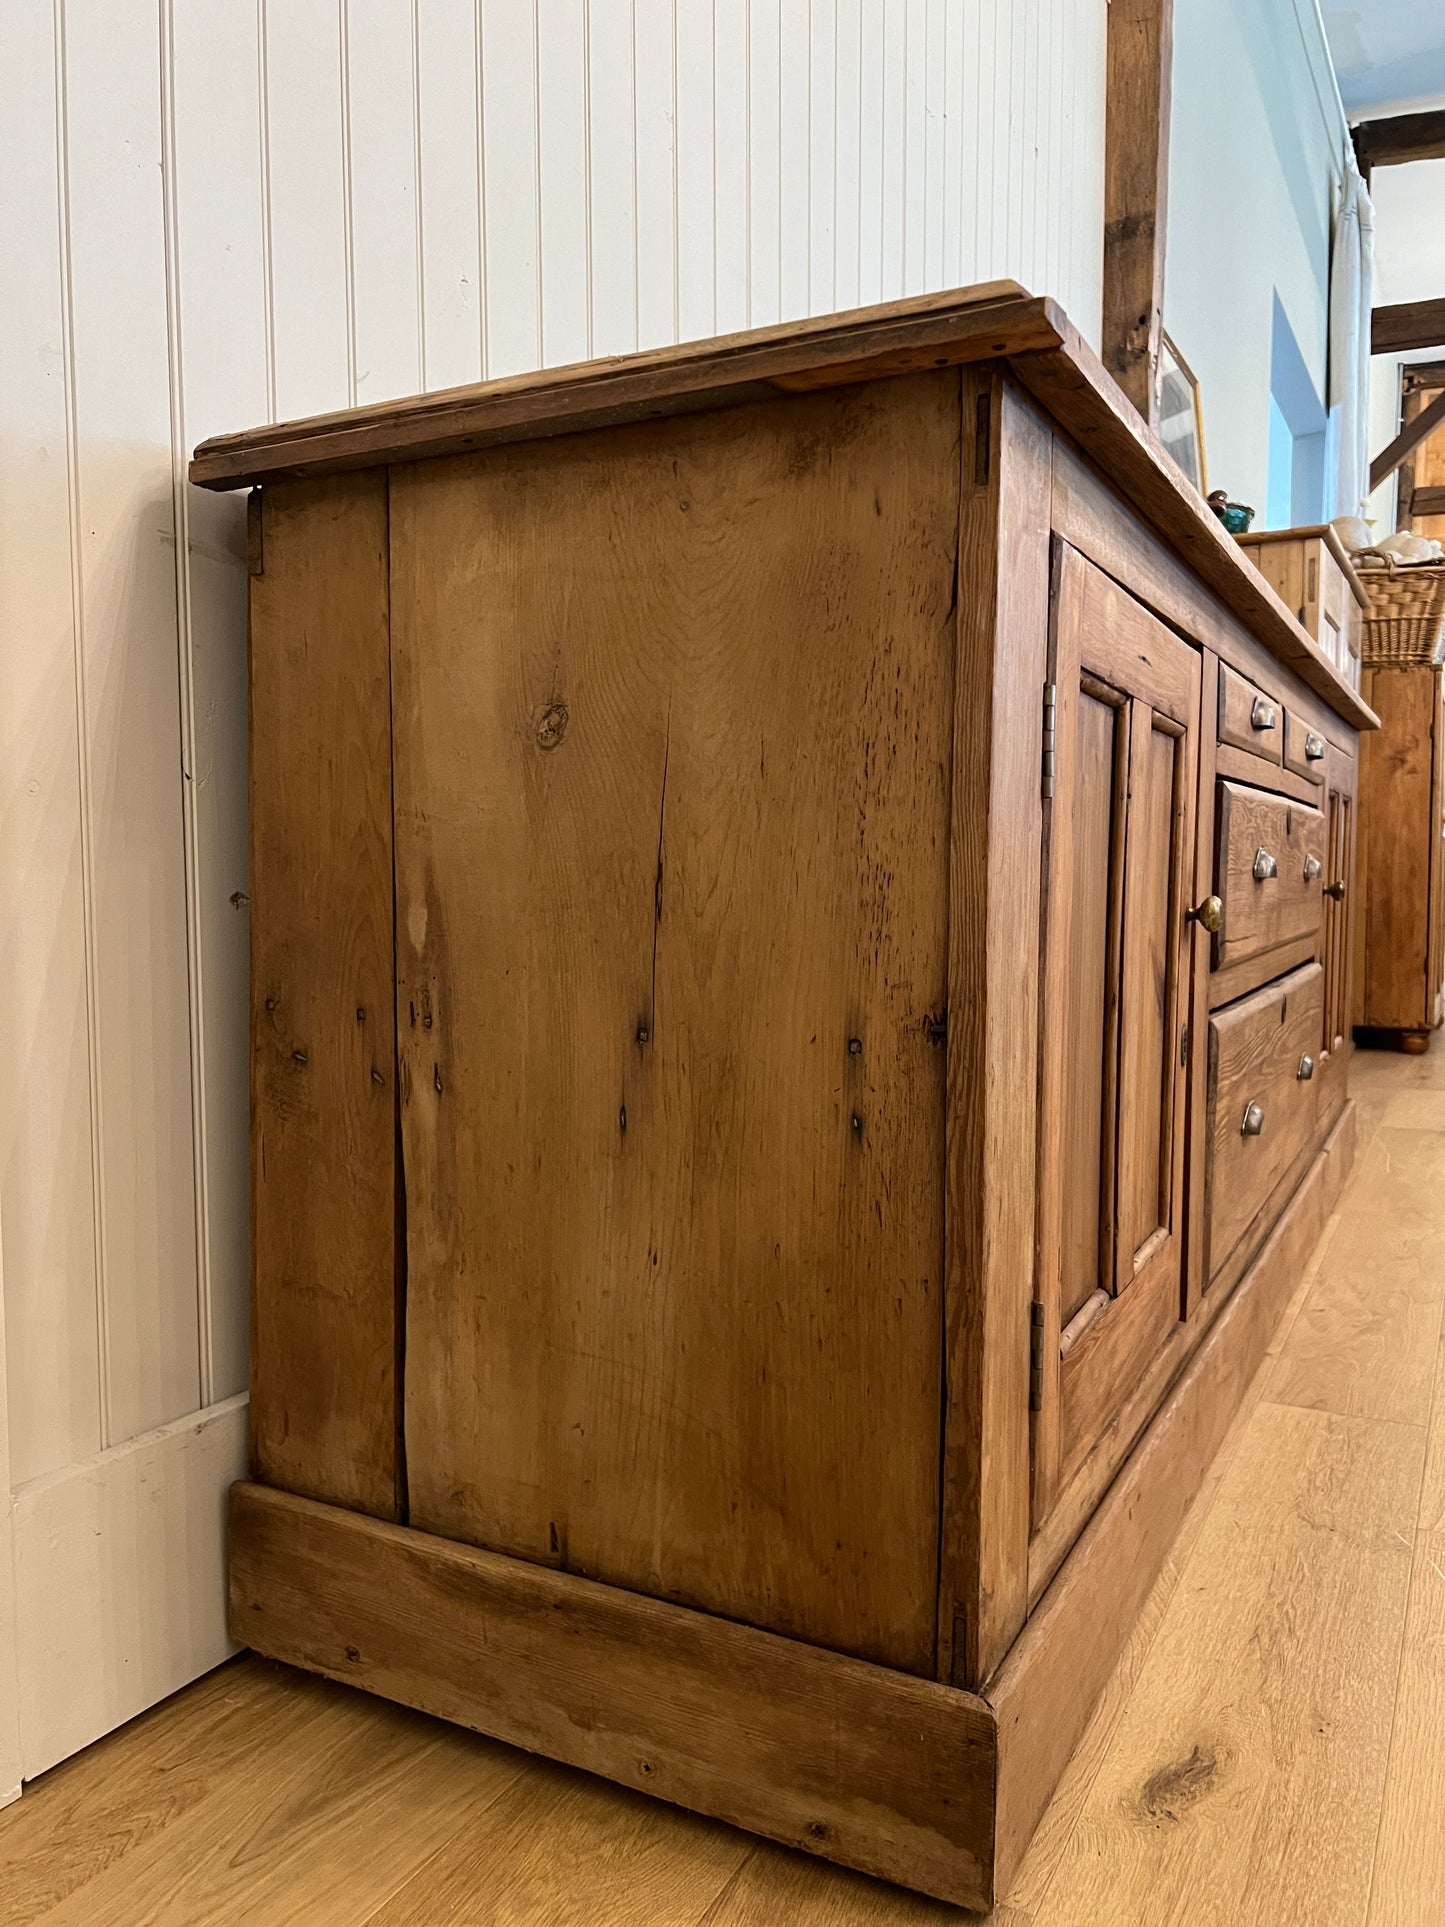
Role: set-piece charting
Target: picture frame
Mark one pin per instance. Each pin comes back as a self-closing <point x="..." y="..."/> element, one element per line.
<point x="1181" y="416"/>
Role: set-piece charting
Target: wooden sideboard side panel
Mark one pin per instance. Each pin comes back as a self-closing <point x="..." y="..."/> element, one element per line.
<point x="993" y="992"/>
<point x="1398" y="831"/>
<point x="674" y="726"/>
<point x="891" y="1774"/>
<point x="323" y="1043"/>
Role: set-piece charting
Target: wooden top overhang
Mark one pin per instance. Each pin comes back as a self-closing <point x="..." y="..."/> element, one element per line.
<point x="997" y="320"/>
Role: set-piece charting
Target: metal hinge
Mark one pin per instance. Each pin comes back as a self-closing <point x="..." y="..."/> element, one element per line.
<point x="1051" y="711"/>
<point x="1184" y="1047"/>
<point x="1036" y="1357"/>
<point x="255" y="535"/>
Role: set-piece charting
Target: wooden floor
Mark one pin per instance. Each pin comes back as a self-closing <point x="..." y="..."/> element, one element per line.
<point x="1271" y="1749"/>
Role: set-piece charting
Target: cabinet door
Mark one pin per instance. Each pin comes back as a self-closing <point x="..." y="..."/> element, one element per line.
<point x="1119" y="865"/>
<point x="1435" y="963"/>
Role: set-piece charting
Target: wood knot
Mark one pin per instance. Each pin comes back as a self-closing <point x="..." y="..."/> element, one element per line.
<point x="855" y="1046"/>
<point x="552" y="725"/>
<point x="1170" y="1789"/>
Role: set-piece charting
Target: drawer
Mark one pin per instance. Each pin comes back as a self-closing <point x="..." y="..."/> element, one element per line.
<point x="1269" y="864"/>
<point x="1249" y="718"/>
<point x="1263" y="1101"/>
<point x="1305" y="750"/>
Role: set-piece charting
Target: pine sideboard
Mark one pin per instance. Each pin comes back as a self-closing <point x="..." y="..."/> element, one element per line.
<point x="800" y="894"/>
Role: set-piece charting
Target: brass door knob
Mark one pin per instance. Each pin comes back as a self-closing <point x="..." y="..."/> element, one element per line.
<point x="1264" y="865"/>
<point x="1336" y="890"/>
<point x="1306" y="1068"/>
<point x="1209" y="914"/>
<point x="1253" y="1122"/>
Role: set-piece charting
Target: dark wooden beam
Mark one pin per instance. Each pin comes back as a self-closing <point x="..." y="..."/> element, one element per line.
<point x="1407" y="441"/>
<point x="1399" y="138"/>
<point x="1136" y="178"/>
<point x="1426" y="501"/>
<point x="1406" y="326"/>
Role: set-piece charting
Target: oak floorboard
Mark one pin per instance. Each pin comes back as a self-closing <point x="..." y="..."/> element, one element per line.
<point x="1245" y="1779"/>
<point x="1365" y="1343"/>
<point x="560" y="1846"/>
<point x="322" y="1824"/>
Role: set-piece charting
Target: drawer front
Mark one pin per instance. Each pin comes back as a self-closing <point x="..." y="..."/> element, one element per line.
<point x="1269" y="871"/>
<point x="1305" y="750"/>
<point x="1249" y="717"/>
<point x="1263" y="1100"/>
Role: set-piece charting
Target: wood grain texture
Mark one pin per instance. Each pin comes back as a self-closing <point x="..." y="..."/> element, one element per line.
<point x="1399" y="845"/>
<point x="993" y="990"/>
<point x="1109" y="649"/>
<point x="672" y="854"/>
<point x="1046" y="1688"/>
<point x="1250" y="718"/>
<point x="1366" y="1347"/>
<point x="925" y="331"/>
<point x="1261" y="1790"/>
<point x="1256" y="1047"/>
<point x="517" y="1864"/>
<point x="892" y="1774"/>
<point x="323" y="1041"/>
<point x="1404" y="326"/>
<point x="1136" y="191"/>
<point x="1261" y="915"/>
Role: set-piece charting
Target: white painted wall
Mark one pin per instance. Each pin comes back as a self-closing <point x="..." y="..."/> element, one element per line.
<point x="217" y="214"/>
<point x="1255" y="157"/>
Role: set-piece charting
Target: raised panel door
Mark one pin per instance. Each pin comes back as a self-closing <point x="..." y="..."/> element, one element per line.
<point x="1119" y="868"/>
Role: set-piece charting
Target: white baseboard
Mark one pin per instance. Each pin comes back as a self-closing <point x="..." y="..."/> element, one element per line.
<point x="120" y="1580"/>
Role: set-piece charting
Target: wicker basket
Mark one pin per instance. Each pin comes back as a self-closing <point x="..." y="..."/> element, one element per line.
<point x="1405" y="622"/>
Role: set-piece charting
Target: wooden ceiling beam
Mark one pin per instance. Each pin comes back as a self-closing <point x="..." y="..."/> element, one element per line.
<point x="1400" y="138"/>
<point x="1406" y="326"/>
<point x="1407" y="441"/>
<point x="1136" y="180"/>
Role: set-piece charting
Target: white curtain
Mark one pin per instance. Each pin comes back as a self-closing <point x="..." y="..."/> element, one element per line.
<point x="1352" y="273"/>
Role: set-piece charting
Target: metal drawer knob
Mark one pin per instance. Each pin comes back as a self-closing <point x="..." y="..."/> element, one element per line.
<point x="1264" y="865"/>
<point x="1253" y="1122"/>
<point x="1314" y="749"/>
<point x="1306" y="1068"/>
<point x="1209" y="914"/>
<point x="1336" y="890"/>
<point x="1313" y="867"/>
<point x="1261" y="716"/>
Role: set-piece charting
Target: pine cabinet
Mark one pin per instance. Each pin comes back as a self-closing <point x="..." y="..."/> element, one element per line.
<point x="792" y="898"/>
<point x="1401" y="996"/>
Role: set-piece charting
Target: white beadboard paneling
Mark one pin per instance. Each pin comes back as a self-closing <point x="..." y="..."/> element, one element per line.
<point x="46" y="1172"/>
<point x="564" y="179"/>
<point x="129" y="713"/>
<point x="696" y="174"/>
<point x="509" y="185"/>
<point x="765" y="148"/>
<point x="822" y="153"/>
<point x="310" y="228"/>
<point x="794" y="159"/>
<point x="449" y="194"/>
<point x="848" y="170"/>
<point x="120" y="1579"/>
<point x="221" y="370"/>
<point x="655" y="57"/>
<point x="732" y="211"/>
<point x="612" y="175"/>
<point x="380" y="84"/>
